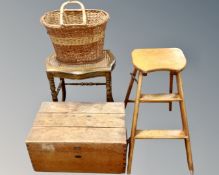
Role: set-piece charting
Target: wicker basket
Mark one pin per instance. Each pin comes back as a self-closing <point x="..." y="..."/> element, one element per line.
<point x="77" y="35"/>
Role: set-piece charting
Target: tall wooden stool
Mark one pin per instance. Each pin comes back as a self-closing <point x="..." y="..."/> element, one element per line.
<point x="56" y="69"/>
<point x="151" y="60"/>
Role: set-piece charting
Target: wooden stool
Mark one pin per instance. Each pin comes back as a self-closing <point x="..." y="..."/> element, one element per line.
<point x="150" y="60"/>
<point x="54" y="68"/>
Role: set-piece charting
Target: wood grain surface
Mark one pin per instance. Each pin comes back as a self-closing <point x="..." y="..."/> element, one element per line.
<point x="83" y="108"/>
<point x="149" y="60"/>
<point x="78" y="137"/>
<point x="80" y="120"/>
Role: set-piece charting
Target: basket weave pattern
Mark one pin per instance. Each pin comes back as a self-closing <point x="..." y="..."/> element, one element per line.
<point x="74" y="43"/>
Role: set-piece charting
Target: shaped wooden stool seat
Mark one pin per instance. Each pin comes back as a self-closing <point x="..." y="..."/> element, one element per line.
<point x="151" y="60"/>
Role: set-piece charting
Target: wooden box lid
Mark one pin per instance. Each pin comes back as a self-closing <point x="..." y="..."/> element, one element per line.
<point x="68" y="122"/>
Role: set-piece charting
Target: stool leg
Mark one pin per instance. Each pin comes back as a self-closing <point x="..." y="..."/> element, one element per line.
<point x="63" y="89"/>
<point x="130" y="86"/>
<point x="52" y="87"/>
<point x="171" y="89"/>
<point x="134" y="123"/>
<point x="109" y="87"/>
<point x="185" y="123"/>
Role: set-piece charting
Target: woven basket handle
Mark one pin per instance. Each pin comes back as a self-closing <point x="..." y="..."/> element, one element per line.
<point x="73" y="2"/>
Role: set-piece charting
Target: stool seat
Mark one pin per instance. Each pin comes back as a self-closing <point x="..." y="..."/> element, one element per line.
<point x="159" y="59"/>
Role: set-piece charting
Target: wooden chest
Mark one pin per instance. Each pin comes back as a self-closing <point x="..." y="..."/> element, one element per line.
<point x="78" y="137"/>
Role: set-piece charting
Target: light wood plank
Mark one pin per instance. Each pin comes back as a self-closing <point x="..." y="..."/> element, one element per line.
<point x="80" y="120"/>
<point x="153" y="98"/>
<point x="156" y="59"/>
<point x="76" y="135"/>
<point x="160" y="134"/>
<point x="76" y="147"/>
<point x="83" y="108"/>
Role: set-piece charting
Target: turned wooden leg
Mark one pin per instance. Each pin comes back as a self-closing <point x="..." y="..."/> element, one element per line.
<point x="134" y="123"/>
<point x="130" y="86"/>
<point x="185" y="123"/>
<point x="63" y="89"/>
<point x="171" y="89"/>
<point x="52" y="86"/>
<point x="109" y="87"/>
